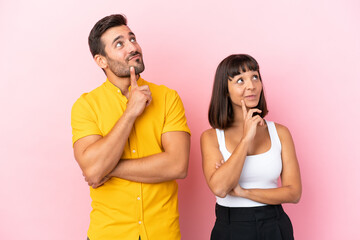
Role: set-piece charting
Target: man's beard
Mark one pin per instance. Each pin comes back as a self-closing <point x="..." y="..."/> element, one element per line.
<point x="123" y="70"/>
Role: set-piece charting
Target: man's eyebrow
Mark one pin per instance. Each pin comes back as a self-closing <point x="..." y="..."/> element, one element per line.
<point x="120" y="37"/>
<point x="117" y="38"/>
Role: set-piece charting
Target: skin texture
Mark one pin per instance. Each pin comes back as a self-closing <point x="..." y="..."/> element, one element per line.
<point x="248" y="135"/>
<point x="100" y="157"/>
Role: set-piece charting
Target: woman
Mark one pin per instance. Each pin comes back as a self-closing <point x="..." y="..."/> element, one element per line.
<point x="244" y="155"/>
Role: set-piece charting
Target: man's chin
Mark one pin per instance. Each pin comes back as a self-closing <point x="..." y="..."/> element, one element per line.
<point x="139" y="69"/>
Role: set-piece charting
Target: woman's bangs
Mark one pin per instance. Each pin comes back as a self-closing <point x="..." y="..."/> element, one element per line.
<point x="240" y="65"/>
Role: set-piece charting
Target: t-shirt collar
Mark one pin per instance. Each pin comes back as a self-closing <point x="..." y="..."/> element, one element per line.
<point x="114" y="88"/>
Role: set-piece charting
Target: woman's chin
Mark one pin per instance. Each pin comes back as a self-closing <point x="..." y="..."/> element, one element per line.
<point x="251" y="105"/>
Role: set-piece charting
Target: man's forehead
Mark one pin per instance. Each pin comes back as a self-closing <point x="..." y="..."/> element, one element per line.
<point x="116" y="32"/>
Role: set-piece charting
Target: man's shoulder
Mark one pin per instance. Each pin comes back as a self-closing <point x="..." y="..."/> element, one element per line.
<point x="93" y="93"/>
<point x="161" y="90"/>
<point x="88" y="98"/>
<point x="156" y="86"/>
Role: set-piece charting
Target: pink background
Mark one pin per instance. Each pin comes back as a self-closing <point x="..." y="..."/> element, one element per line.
<point x="309" y="56"/>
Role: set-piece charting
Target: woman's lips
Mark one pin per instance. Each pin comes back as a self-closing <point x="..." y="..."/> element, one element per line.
<point x="250" y="97"/>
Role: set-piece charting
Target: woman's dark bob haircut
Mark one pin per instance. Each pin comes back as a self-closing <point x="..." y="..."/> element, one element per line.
<point x="221" y="113"/>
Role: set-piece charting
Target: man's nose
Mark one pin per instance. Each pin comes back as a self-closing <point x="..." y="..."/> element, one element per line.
<point x="131" y="47"/>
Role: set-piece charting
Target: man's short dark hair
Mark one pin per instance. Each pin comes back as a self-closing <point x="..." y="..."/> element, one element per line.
<point x="95" y="43"/>
<point x="221" y="114"/>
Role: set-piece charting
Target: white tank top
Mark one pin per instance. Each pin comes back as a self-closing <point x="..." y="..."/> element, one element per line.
<point x="259" y="171"/>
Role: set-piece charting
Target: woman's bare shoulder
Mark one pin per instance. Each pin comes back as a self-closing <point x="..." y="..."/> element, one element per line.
<point x="283" y="131"/>
<point x="209" y="135"/>
<point x="209" y="132"/>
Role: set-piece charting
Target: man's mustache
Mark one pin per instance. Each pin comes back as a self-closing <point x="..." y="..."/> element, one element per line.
<point x="132" y="55"/>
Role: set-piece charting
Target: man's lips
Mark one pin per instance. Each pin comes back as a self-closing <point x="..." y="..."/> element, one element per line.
<point x="135" y="56"/>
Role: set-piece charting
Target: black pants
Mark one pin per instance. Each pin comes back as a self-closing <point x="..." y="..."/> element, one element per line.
<point x="252" y="223"/>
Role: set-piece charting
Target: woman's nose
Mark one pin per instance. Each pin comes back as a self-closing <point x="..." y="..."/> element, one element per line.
<point x="250" y="85"/>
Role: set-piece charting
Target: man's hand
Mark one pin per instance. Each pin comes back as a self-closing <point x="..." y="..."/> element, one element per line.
<point x="139" y="96"/>
<point x="96" y="185"/>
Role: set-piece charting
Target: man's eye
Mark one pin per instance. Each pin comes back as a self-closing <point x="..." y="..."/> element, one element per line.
<point x="133" y="40"/>
<point x="119" y="44"/>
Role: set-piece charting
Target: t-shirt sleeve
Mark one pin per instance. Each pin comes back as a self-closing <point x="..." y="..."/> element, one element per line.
<point x="175" y="119"/>
<point x="83" y="120"/>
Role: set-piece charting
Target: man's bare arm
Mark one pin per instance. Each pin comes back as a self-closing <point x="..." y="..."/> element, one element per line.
<point x="97" y="156"/>
<point x="168" y="165"/>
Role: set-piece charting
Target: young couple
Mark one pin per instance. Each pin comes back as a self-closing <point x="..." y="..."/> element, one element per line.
<point x="131" y="141"/>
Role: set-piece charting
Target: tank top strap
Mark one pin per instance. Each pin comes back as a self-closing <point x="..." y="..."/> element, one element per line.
<point x="274" y="137"/>
<point x="221" y="140"/>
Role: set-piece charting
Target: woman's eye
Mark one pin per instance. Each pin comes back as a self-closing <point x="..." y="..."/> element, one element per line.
<point x="240" y="80"/>
<point x="255" y="77"/>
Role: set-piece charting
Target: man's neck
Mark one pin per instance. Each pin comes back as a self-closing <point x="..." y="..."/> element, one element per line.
<point x="123" y="83"/>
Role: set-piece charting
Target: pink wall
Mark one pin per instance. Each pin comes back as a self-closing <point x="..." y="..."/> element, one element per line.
<point x="309" y="54"/>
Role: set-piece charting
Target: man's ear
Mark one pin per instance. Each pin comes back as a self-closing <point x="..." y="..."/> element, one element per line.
<point x="101" y="61"/>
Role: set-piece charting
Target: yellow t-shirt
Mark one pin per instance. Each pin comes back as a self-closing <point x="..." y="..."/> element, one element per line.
<point x="124" y="209"/>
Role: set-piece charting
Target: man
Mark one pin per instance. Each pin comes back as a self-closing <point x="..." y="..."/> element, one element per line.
<point x="131" y="141"/>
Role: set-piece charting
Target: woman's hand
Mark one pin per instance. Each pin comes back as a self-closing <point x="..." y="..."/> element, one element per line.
<point x="218" y="164"/>
<point x="250" y="122"/>
<point x="238" y="192"/>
